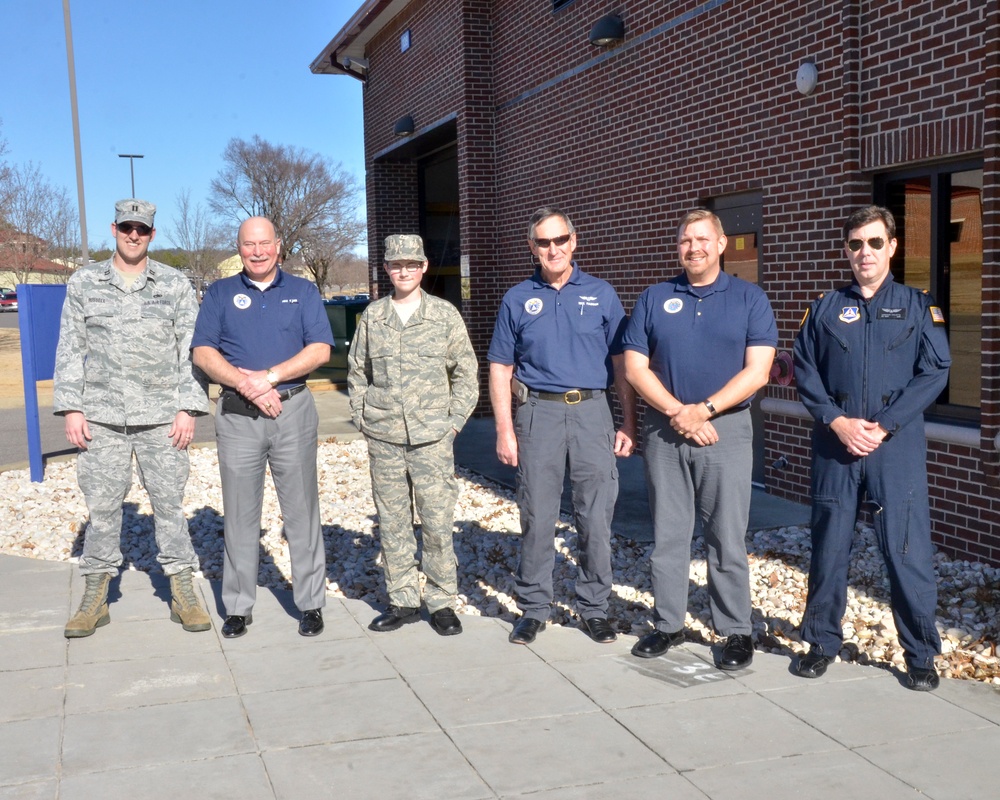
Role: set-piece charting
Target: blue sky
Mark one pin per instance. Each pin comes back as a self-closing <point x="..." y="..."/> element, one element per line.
<point x="174" y="80"/>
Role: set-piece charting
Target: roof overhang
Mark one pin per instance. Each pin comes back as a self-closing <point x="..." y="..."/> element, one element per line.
<point x="367" y="22"/>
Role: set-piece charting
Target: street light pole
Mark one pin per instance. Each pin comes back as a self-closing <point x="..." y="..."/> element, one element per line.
<point x="131" y="166"/>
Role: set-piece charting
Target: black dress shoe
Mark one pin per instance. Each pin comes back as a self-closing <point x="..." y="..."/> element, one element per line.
<point x="923" y="680"/>
<point x="394" y="617"/>
<point x="657" y="643"/>
<point x="813" y="664"/>
<point x="599" y="629"/>
<point x="236" y="625"/>
<point x="525" y="631"/>
<point x="737" y="652"/>
<point x="445" y="622"/>
<point x="311" y="623"/>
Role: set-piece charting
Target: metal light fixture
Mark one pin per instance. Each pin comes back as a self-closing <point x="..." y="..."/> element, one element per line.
<point x="608" y="31"/>
<point x="359" y="65"/>
<point x="404" y="126"/>
<point x="806" y="78"/>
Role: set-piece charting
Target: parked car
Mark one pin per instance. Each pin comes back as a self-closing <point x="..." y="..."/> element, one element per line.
<point x="8" y="301"/>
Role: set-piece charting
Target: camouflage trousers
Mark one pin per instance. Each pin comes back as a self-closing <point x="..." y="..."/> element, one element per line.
<point x="104" y="472"/>
<point x="422" y="478"/>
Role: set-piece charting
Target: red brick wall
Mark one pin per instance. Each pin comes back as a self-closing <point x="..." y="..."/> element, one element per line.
<point x="701" y="102"/>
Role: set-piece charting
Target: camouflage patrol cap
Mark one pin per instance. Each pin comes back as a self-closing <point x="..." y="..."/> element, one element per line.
<point x="404" y="247"/>
<point x="133" y="210"/>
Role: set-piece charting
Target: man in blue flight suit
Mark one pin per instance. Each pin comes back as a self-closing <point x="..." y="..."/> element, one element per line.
<point x="869" y="359"/>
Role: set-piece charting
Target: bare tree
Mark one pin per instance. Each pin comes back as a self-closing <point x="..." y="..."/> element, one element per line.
<point x="326" y="252"/>
<point x="307" y="197"/>
<point x="200" y="238"/>
<point x="38" y="224"/>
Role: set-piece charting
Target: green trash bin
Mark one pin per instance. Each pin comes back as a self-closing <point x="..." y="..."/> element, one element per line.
<point x="343" y="314"/>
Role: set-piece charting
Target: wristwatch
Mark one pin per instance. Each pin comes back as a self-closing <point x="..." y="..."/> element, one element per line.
<point x="272" y="377"/>
<point x="711" y="407"/>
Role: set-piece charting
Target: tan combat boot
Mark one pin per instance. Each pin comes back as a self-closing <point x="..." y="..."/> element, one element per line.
<point x="93" y="611"/>
<point x="184" y="605"/>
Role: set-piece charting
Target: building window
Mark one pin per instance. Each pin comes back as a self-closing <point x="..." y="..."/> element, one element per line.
<point x="557" y="4"/>
<point x="939" y="228"/>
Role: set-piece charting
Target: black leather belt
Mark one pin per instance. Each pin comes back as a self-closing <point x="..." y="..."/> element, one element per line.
<point x="232" y="403"/>
<point x="285" y="394"/>
<point x="570" y="398"/>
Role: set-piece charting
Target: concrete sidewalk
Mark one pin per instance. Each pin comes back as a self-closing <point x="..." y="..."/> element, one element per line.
<point x="144" y="710"/>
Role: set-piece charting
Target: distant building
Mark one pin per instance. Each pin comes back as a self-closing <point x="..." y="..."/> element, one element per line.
<point x="21" y="260"/>
<point x="782" y="117"/>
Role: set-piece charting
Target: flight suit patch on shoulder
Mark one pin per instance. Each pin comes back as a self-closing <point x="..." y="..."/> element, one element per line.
<point x="937" y="315"/>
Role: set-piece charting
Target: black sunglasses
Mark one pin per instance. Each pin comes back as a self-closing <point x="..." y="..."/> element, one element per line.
<point x="558" y="241"/>
<point x="876" y="243"/>
<point x="128" y="227"/>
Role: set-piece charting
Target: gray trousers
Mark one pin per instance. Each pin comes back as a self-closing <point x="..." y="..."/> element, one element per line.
<point x="713" y="482"/>
<point x="551" y="434"/>
<point x="428" y="471"/>
<point x="246" y="448"/>
<point x="104" y="472"/>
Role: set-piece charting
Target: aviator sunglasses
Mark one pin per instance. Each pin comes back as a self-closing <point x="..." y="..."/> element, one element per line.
<point x="876" y="243"/>
<point x="558" y="241"/>
<point x="128" y="227"/>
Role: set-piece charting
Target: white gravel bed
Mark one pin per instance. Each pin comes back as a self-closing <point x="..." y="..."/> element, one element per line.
<point x="46" y="521"/>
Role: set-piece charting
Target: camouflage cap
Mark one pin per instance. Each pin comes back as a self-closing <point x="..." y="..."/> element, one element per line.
<point x="133" y="210"/>
<point x="404" y="247"/>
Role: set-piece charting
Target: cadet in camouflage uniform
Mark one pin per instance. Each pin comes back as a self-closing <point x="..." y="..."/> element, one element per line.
<point x="413" y="384"/>
<point x="125" y="384"/>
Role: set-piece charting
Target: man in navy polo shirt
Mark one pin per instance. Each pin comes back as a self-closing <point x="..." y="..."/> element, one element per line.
<point x="697" y="348"/>
<point x="556" y="346"/>
<point x="259" y="334"/>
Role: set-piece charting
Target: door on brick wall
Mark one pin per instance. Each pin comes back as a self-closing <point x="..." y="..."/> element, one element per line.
<point x="439" y="217"/>
<point x="741" y="219"/>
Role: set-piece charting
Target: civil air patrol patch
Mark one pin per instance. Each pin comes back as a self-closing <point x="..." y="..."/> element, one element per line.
<point x="850" y="314"/>
<point x="241" y="301"/>
<point x="937" y="315"/>
<point x="673" y="305"/>
<point x="534" y="306"/>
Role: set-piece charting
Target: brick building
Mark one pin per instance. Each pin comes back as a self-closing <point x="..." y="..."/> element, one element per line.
<point x="476" y="112"/>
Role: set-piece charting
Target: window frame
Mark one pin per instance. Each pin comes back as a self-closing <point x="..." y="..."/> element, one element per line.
<point x="939" y="175"/>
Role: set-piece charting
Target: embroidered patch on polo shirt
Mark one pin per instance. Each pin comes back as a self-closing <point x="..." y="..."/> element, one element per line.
<point x="241" y="301"/>
<point x="533" y="306"/>
<point x="673" y="305"/>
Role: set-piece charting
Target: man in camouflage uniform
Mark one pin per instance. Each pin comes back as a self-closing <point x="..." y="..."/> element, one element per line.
<point x="413" y="384"/>
<point x="125" y="384"/>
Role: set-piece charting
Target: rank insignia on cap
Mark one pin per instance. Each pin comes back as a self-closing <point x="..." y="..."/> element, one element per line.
<point x="937" y="315"/>
<point x="849" y="314"/>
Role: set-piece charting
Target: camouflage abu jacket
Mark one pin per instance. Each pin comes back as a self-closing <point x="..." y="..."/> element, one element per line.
<point x="123" y="355"/>
<point x="412" y="384"/>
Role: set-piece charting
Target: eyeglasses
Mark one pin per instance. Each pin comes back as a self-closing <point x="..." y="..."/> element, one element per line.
<point x="397" y="266"/>
<point x="558" y="241"/>
<point x="876" y="243"/>
<point x="128" y="227"/>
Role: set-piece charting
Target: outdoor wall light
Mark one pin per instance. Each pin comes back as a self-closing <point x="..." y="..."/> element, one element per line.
<point x="806" y="78"/>
<point x="608" y="31"/>
<point x="404" y="126"/>
<point x="357" y="64"/>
